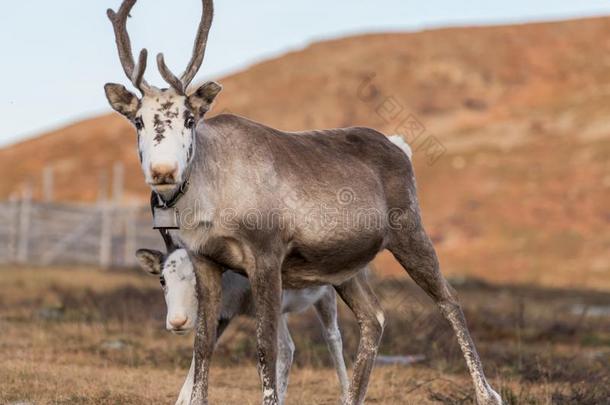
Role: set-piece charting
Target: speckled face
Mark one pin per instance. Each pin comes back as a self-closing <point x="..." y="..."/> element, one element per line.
<point x="166" y="128"/>
<point x="165" y="121"/>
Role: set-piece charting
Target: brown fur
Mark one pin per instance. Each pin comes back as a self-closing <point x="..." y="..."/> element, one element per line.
<point x="297" y="179"/>
<point x="202" y="99"/>
<point x="247" y="167"/>
<point x="122" y="100"/>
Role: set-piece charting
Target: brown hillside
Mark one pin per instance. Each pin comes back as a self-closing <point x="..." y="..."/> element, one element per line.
<point x="522" y="190"/>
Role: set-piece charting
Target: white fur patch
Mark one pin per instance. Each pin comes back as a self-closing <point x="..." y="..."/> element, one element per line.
<point x="402" y="144"/>
<point x="164" y="139"/>
<point x="380" y="317"/>
<point x="180" y="289"/>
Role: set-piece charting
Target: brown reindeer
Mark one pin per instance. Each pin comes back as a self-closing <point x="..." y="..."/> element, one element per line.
<point x="290" y="210"/>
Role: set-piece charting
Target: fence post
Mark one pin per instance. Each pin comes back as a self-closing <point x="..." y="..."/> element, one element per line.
<point x="14" y="228"/>
<point x="23" y="238"/>
<point x="105" y="236"/>
<point x="130" y="236"/>
<point x="118" y="181"/>
<point x="102" y="193"/>
<point x="47" y="184"/>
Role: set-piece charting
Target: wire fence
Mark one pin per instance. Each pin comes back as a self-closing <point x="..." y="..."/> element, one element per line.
<point x="45" y="234"/>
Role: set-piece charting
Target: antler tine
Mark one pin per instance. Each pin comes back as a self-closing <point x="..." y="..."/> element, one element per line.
<point x="201" y="42"/>
<point x="119" y="24"/>
<point x="169" y="76"/>
<point x="137" y="77"/>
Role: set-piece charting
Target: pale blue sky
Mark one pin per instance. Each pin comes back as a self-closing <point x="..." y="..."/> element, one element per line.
<point x="56" y="55"/>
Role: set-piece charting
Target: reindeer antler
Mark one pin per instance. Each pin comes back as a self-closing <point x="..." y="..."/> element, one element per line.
<point x="201" y="41"/>
<point x="134" y="72"/>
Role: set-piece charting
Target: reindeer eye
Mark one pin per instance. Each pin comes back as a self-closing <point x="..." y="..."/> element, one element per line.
<point x="138" y="123"/>
<point x="190" y="122"/>
<point x="162" y="281"/>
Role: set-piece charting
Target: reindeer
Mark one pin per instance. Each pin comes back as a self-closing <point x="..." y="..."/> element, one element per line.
<point x="177" y="278"/>
<point x="324" y="204"/>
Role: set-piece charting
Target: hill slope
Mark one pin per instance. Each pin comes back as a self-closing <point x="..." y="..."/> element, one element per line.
<point x="509" y="125"/>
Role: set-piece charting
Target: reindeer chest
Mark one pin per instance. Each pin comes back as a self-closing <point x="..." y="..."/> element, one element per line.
<point x="218" y="246"/>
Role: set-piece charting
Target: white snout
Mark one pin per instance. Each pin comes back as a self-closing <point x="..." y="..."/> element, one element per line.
<point x="181" y="310"/>
<point x="178" y="322"/>
<point x="164" y="164"/>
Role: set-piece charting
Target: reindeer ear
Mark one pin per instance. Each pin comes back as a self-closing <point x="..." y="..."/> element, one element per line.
<point x="150" y="261"/>
<point x="122" y="100"/>
<point x="202" y="99"/>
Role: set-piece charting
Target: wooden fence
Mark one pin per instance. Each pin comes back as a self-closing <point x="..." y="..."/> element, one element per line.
<point x="105" y="234"/>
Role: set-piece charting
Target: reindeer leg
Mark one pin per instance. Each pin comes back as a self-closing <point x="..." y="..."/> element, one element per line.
<point x="266" y="281"/>
<point x="184" y="398"/>
<point x="358" y="295"/>
<point x="284" y="358"/>
<point x="416" y="254"/>
<point x="209" y="294"/>
<point x="326" y="309"/>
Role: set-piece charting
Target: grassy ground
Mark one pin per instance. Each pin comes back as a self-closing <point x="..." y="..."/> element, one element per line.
<point x="70" y="336"/>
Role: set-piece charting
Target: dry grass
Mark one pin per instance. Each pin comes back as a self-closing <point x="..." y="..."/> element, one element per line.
<point x="73" y="336"/>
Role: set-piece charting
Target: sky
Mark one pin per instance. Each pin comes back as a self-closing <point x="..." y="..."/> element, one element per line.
<point x="56" y="55"/>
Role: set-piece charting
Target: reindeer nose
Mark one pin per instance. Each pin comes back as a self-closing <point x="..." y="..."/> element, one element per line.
<point x="164" y="173"/>
<point x="178" y="322"/>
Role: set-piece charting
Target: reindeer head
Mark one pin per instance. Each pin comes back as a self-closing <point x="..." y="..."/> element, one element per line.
<point x="177" y="277"/>
<point x="165" y="119"/>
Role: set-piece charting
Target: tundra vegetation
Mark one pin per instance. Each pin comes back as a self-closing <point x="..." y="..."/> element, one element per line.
<point x="81" y="336"/>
